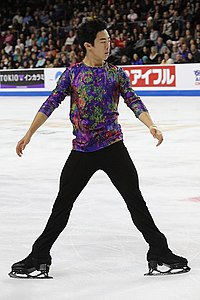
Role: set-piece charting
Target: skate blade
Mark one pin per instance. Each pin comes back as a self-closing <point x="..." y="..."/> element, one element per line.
<point x="41" y="275"/>
<point x="170" y="271"/>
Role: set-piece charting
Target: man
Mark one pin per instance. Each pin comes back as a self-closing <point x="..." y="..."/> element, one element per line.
<point x="95" y="88"/>
<point x="195" y="53"/>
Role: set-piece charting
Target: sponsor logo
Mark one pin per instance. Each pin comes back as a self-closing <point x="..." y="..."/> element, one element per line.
<point x="197" y="77"/>
<point x="22" y="79"/>
<point x="58" y="74"/>
<point x="156" y="76"/>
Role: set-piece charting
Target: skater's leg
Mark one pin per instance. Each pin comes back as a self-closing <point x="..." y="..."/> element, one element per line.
<point x="123" y="175"/>
<point x="121" y="170"/>
<point x="74" y="177"/>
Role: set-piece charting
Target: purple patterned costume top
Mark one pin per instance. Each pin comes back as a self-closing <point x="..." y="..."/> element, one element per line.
<point x="95" y="93"/>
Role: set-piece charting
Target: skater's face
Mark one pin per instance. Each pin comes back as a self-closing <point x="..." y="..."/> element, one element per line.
<point x="101" y="48"/>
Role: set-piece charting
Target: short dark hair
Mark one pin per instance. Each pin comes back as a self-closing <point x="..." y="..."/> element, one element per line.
<point x="88" y="30"/>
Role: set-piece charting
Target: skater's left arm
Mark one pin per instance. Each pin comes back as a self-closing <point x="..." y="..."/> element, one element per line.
<point x="134" y="102"/>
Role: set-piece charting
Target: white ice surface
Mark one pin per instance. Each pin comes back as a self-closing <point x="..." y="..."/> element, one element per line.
<point x="101" y="255"/>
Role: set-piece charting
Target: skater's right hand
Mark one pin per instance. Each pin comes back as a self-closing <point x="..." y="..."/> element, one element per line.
<point x="39" y="119"/>
<point x="21" y="145"/>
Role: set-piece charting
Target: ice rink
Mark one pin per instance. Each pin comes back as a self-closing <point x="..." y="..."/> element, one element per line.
<point x="101" y="255"/>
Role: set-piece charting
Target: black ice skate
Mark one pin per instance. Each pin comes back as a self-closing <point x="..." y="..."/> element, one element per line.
<point x="173" y="264"/>
<point x="31" y="268"/>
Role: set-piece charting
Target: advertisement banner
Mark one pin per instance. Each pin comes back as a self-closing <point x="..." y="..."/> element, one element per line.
<point x="146" y="80"/>
<point x="151" y="76"/>
<point x="22" y="79"/>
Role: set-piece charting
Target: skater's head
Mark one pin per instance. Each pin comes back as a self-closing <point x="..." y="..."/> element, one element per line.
<point x="94" y="38"/>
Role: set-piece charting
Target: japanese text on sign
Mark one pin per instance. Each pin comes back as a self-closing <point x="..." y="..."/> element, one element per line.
<point x="162" y="76"/>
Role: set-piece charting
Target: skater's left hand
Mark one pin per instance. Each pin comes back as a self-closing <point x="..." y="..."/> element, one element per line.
<point x="157" y="134"/>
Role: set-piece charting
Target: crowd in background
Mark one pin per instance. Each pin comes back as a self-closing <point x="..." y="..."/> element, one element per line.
<point x="36" y="34"/>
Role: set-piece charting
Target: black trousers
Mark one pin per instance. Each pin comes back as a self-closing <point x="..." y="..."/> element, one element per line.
<point x="115" y="161"/>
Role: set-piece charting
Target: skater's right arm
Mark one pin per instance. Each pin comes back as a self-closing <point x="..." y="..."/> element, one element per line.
<point x="56" y="97"/>
<point x="39" y="119"/>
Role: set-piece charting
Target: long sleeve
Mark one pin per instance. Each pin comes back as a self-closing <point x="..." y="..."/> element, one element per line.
<point x="62" y="89"/>
<point x="131" y="99"/>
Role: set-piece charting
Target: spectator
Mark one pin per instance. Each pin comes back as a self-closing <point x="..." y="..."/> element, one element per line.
<point x="49" y="64"/>
<point x="43" y="51"/>
<point x="9" y="37"/>
<point x="167" y="32"/>
<point x="164" y="50"/>
<point x="171" y="10"/>
<point x="141" y="42"/>
<point x="35" y="49"/>
<point x="44" y="18"/>
<point x="150" y="22"/>
<point x="33" y="39"/>
<point x="197" y="30"/>
<point x="28" y="42"/>
<point x="159" y="58"/>
<point x="178" y="59"/>
<point x="198" y="43"/>
<point x="145" y="60"/>
<point x="145" y="32"/>
<point x="135" y="34"/>
<point x="195" y="53"/>
<point x="176" y="35"/>
<point x="153" y="35"/>
<point x="126" y="28"/>
<point x="167" y="59"/>
<point x="124" y="60"/>
<point x="17" y="18"/>
<point x="31" y="64"/>
<point x="64" y="61"/>
<point x="155" y="12"/>
<point x="197" y="35"/>
<point x="40" y="61"/>
<point x="120" y="41"/>
<point x="114" y="50"/>
<point x="8" y="48"/>
<point x="174" y="52"/>
<point x="5" y="61"/>
<point x="17" y="54"/>
<point x="145" y="51"/>
<point x="132" y="16"/>
<point x="181" y="41"/>
<point x="28" y="19"/>
<point x="43" y="39"/>
<point x="190" y="58"/>
<point x="51" y="54"/>
<point x="176" y="20"/>
<point x="188" y="37"/>
<point x="70" y="39"/>
<point x="196" y="12"/>
<point x="153" y="56"/>
<point x="73" y="57"/>
<point x="115" y="35"/>
<point x="33" y="59"/>
<point x="169" y="44"/>
<point x="136" y="60"/>
<point x="159" y="44"/>
<point x="183" y="51"/>
<point x="145" y="7"/>
<point x="25" y="65"/>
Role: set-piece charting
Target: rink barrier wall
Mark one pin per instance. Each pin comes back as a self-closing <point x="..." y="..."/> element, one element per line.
<point x="149" y="80"/>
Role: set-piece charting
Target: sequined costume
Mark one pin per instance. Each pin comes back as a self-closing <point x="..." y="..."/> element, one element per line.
<point x="95" y="94"/>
